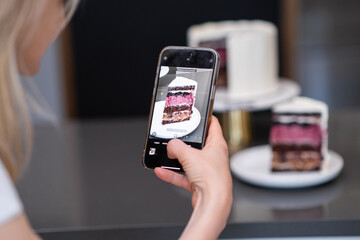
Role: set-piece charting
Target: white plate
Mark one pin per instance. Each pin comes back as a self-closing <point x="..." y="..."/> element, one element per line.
<point x="252" y="165"/>
<point x="286" y="90"/>
<point x="164" y="70"/>
<point x="172" y="130"/>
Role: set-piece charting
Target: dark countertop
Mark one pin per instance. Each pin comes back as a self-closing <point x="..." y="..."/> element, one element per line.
<point x="88" y="175"/>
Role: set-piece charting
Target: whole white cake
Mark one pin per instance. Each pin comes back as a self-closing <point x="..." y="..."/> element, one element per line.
<point x="248" y="52"/>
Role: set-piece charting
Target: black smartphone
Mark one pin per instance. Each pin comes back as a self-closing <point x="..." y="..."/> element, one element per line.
<point x="182" y="101"/>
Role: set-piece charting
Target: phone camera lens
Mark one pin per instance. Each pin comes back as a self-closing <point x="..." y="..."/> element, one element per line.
<point x="211" y="61"/>
<point x="165" y="58"/>
<point x="190" y="57"/>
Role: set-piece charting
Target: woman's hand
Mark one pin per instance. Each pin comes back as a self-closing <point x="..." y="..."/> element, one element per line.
<point x="207" y="176"/>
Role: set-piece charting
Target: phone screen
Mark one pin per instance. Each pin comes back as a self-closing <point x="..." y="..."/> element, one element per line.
<point x="181" y="104"/>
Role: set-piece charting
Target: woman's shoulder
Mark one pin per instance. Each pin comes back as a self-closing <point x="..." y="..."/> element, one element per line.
<point x="10" y="204"/>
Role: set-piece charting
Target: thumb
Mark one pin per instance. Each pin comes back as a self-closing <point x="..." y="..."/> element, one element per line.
<point x="177" y="149"/>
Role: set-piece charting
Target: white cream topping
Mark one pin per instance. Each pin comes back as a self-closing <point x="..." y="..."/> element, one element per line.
<point x="218" y="30"/>
<point x="182" y="81"/>
<point x="304" y="105"/>
<point x="183" y="91"/>
<point x="297" y="119"/>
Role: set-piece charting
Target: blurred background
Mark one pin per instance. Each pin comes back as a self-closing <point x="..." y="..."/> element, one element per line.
<point x="108" y="55"/>
<point x="98" y="79"/>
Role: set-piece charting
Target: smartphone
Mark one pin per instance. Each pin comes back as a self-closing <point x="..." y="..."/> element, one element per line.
<point x="182" y="101"/>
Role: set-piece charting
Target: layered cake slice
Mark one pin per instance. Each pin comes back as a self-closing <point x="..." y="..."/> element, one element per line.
<point x="180" y="99"/>
<point x="298" y="135"/>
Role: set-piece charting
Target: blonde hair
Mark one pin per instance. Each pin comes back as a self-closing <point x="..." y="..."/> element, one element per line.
<point x="15" y="122"/>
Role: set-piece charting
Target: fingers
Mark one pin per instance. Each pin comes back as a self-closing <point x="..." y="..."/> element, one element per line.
<point x="173" y="178"/>
<point x="215" y="133"/>
<point x="177" y="149"/>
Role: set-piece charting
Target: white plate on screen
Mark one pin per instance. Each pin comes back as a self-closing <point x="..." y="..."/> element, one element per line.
<point x="172" y="130"/>
<point x="164" y="70"/>
<point x="252" y="165"/>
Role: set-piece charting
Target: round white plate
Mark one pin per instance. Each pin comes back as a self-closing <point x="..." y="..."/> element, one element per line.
<point x="253" y="165"/>
<point x="164" y="70"/>
<point x="286" y="90"/>
<point x="172" y="130"/>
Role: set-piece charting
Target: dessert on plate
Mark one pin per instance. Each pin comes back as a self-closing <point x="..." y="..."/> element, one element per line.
<point x="298" y="136"/>
<point x="180" y="99"/>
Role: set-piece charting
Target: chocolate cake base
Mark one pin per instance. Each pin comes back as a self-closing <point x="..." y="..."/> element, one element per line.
<point x="176" y="117"/>
<point x="295" y="164"/>
<point x="296" y="158"/>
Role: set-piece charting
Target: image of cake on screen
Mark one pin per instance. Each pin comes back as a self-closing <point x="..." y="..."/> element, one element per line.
<point x="181" y="103"/>
<point x="180" y="99"/>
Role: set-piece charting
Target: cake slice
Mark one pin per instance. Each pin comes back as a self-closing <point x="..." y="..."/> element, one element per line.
<point x="298" y="135"/>
<point x="180" y="99"/>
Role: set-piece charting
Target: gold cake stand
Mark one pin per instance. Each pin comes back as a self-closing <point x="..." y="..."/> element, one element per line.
<point x="236" y="126"/>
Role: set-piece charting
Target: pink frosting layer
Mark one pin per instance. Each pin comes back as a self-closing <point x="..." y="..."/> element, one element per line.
<point x="177" y="100"/>
<point x="295" y="134"/>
